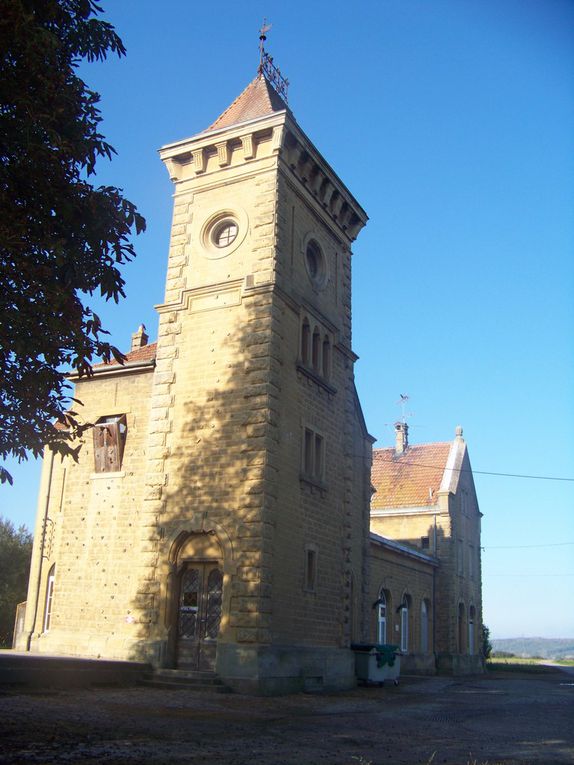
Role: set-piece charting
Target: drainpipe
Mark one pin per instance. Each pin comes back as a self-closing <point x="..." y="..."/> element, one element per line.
<point x="39" y="543"/>
<point x="434" y="595"/>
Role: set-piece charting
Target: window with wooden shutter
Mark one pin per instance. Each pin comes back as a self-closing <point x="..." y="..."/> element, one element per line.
<point x="109" y="440"/>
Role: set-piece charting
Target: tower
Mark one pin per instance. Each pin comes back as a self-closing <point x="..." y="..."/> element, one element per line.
<point x="258" y="462"/>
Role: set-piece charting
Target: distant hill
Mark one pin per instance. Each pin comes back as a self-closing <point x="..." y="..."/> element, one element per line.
<point x="546" y="648"/>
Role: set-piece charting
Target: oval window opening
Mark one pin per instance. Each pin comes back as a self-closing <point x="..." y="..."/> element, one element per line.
<point x="315" y="263"/>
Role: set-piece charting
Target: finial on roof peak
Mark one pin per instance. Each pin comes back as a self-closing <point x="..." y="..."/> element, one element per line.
<point x="267" y="68"/>
<point x="458" y="431"/>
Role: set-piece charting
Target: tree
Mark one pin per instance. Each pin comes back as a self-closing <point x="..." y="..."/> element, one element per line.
<point x="15" y="553"/>
<point x="62" y="239"/>
<point x="486" y="644"/>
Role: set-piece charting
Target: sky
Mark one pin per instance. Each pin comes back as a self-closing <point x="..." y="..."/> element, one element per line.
<point x="452" y="122"/>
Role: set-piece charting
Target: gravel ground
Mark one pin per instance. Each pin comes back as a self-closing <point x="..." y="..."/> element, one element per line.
<point x="502" y="717"/>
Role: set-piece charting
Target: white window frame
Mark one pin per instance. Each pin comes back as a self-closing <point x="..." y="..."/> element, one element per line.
<point x="424" y="627"/>
<point x="382" y="618"/>
<point x="49" y="599"/>
<point x="405" y="626"/>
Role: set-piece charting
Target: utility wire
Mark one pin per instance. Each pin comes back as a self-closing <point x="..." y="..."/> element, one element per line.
<point x="530" y="574"/>
<point x="516" y="547"/>
<point x="482" y="472"/>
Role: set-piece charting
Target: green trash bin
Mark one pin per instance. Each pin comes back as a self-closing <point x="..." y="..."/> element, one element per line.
<point x="377" y="663"/>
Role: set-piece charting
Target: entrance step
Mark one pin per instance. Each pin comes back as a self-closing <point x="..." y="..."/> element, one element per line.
<point x="189" y="679"/>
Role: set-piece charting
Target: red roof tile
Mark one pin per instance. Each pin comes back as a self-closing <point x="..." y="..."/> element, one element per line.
<point x="406" y="480"/>
<point x="145" y="353"/>
<point x="257" y="100"/>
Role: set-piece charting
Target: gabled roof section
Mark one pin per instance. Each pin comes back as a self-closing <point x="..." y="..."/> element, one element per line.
<point x="259" y="99"/>
<point x="139" y="355"/>
<point x="411" y="479"/>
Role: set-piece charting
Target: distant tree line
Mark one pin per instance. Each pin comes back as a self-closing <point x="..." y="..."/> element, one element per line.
<point x="15" y="554"/>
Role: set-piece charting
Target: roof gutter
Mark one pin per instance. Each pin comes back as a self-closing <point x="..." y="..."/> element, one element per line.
<point x="115" y="369"/>
<point x="403" y="549"/>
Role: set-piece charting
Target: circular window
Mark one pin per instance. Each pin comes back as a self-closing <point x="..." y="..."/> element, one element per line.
<point x="224" y="233"/>
<point x="315" y="262"/>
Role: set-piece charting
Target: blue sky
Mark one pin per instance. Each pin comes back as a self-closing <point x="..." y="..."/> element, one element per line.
<point x="452" y="122"/>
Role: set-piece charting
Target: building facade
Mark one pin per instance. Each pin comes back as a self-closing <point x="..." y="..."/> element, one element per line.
<point x="219" y="516"/>
<point x="424" y="502"/>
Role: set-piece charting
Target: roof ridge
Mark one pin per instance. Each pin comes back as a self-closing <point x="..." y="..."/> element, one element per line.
<point x="143" y="353"/>
<point x="412" y="446"/>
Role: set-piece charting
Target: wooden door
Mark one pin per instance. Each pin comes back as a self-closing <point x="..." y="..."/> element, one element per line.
<point x="199" y="615"/>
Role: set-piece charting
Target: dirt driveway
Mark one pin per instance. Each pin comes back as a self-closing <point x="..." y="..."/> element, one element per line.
<point x="501" y="717"/>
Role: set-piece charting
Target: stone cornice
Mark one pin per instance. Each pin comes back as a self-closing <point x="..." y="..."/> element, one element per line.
<point x="231" y="147"/>
<point x="311" y="169"/>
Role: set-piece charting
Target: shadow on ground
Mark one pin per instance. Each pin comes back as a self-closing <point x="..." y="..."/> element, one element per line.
<point x="500" y="717"/>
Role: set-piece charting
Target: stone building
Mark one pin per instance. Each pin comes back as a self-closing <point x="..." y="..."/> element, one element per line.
<point x="424" y="510"/>
<point x="219" y="515"/>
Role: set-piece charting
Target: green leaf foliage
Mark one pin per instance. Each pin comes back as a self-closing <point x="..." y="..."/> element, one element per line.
<point x="62" y="238"/>
<point x="486" y="644"/>
<point x="15" y="554"/>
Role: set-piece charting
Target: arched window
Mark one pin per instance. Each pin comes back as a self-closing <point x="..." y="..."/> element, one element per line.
<point x="382" y="618"/>
<point x="471" y="640"/>
<point x="49" y="598"/>
<point x="316" y="351"/>
<point x="405" y="624"/>
<point x="326" y="357"/>
<point x="424" y="627"/>
<point x="461" y="629"/>
<point x="305" y="340"/>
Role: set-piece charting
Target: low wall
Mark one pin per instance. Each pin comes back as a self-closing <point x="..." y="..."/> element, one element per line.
<point x="31" y="670"/>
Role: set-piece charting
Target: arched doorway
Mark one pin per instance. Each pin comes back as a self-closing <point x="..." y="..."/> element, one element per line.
<point x="199" y="614"/>
<point x="199" y="601"/>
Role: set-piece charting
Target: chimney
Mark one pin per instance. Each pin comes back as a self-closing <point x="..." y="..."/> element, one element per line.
<point x="401" y="438"/>
<point x="139" y="338"/>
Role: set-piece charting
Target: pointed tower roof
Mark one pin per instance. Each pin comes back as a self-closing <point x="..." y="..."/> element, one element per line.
<point x="257" y="100"/>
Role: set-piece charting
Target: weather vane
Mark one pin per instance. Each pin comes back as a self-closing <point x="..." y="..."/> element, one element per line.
<point x="266" y="66"/>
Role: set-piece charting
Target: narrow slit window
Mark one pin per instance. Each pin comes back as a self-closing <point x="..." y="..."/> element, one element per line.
<point x="316" y="360"/>
<point x="305" y="341"/>
<point x="308" y="452"/>
<point x="318" y="466"/>
<point x="310" y="569"/>
<point x="313" y="455"/>
<point x="326" y="358"/>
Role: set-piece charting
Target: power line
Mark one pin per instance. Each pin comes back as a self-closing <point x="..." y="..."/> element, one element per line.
<point x="516" y="547"/>
<point x="483" y="472"/>
<point x="529" y="574"/>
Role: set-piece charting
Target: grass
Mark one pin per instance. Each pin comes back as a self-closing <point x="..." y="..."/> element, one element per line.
<point x="517" y="664"/>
